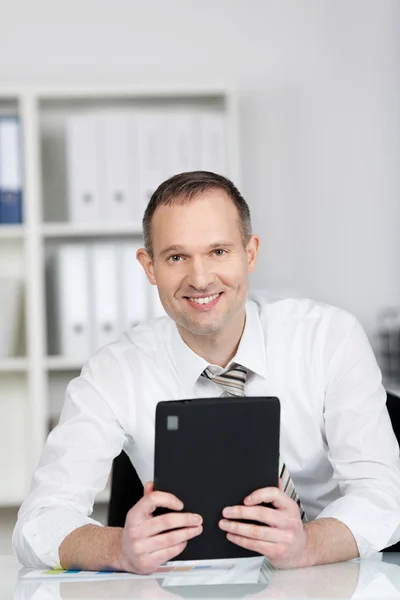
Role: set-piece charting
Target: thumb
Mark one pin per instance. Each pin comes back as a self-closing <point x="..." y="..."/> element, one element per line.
<point x="148" y="488"/>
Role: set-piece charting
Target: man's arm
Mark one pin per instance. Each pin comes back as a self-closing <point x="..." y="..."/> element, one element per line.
<point x="281" y="535"/>
<point x="363" y="449"/>
<point x="328" y="541"/>
<point x="92" y="548"/>
<point x="74" y="465"/>
<point x="141" y="546"/>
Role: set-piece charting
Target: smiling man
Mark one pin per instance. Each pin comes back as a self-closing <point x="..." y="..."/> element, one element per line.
<point x="340" y="459"/>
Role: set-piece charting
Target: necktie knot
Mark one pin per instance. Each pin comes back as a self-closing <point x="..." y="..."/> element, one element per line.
<point x="231" y="381"/>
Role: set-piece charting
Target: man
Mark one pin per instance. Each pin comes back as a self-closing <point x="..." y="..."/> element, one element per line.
<point x="336" y="437"/>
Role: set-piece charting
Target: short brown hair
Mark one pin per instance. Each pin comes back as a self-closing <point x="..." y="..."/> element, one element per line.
<point x="184" y="188"/>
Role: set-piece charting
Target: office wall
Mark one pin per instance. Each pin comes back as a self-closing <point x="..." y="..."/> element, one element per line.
<point x="319" y="86"/>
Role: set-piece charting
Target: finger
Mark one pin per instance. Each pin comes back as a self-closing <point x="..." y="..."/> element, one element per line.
<point x="264" y="548"/>
<point x="159" y="557"/>
<point x="255" y="532"/>
<point x="148" y="488"/>
<point x="169" y="521"/>
<point x="147" y="505"/>
<point x="170" y="539"/>
<point x="262" y="514"/>
<point x="273" y="495"/>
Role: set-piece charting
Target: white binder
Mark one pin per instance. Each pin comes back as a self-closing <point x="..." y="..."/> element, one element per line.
<point x="85" y="171"/>
<point x="10" y="303"/>
<point x="133" y="288"/>
<point x="73" y="301"/>
<point x="121" y="169"/>
<point x="213" y="143"/>
<point x="104" y="294"/>
<point x="183" y="152"/>
<point x="152" y="146"/>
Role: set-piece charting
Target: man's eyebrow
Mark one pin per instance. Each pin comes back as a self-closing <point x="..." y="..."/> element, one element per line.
<point x="175" y="248"/>
<point x="221" y="244"/>
<point x="180" y="248"/>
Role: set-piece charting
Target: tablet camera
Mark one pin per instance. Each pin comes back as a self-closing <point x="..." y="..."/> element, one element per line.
<point x="172" y="422"/>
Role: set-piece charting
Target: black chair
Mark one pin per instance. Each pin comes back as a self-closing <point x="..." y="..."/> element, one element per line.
<point x="393" y="406"/>
<point x="127" y="489"/>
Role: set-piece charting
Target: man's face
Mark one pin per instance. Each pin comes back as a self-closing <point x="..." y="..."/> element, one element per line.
<point x="199" y="264"/>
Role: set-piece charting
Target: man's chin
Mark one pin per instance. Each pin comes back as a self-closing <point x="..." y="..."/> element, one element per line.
<point x="201" y="329"/>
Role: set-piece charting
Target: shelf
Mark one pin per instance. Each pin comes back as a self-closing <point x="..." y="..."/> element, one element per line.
<point x="12" y="501"/>
<point x="13" y="365"/>
<point x="73" y="230"/>
<point x="133" y="91"/>
<point x="12" y="231"/>
<point x="62" y="363"/>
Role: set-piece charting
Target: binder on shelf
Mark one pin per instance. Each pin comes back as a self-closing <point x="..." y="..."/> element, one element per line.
<point x="183" y="147"/>
<point x="85" y="143"/>
<point x="10" y="170"/>
<point x="213" y="143"/>
<point x="10" y="315"/>
<point x="121" y="169"/>
<point x="133" y="288"/>
<point x="73" y="301"/>
<point x="104" y="274"/>
<point x="151" y="148"/>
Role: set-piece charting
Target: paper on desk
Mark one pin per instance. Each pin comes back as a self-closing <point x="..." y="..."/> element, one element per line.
<point x="247" y="569"/>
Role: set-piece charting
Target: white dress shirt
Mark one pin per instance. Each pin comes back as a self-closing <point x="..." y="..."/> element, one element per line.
<point x="336" y="437"/>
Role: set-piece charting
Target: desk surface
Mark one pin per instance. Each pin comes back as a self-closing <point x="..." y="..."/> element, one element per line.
<point x="375" y="577"/>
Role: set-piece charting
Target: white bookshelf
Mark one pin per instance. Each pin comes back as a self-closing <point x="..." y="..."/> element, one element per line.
<point x="61" y="363"/>
<point x="9" y="232"/>
<point x="18" y="364"/>
<point x="67" y="230"/>
<point x="32" y="385"/>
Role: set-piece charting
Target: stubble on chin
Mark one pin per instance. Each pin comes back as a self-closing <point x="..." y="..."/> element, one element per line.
<point x="201" y="329"/>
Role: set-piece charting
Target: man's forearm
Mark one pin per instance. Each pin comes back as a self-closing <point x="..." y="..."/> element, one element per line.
<point x="329" y="541"/>
<point x="92" y="548"/>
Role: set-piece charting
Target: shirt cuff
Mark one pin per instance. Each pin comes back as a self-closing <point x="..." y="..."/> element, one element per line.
<point x="46" y="529"/>
<point x="373" y="528"/>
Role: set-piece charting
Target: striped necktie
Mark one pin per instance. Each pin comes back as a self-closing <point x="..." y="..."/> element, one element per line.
<point x="232" y="383"/>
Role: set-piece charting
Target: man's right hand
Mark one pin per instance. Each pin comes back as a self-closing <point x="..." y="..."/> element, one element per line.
<point x="147" y="541"/>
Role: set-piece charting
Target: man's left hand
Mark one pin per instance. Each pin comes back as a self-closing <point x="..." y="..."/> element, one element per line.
<point x="280" y="535"/>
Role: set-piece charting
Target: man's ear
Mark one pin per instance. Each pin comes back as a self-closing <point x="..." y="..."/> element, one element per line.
<point x="145" y="260"/>
<point x="252" y="252"/>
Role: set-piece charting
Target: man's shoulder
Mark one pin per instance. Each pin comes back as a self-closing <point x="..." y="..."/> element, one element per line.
<point x="299" y="310"/>
<point x="140" y="343"/>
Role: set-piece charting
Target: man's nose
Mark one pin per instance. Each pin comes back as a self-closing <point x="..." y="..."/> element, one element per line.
<point x="199" y="275"/>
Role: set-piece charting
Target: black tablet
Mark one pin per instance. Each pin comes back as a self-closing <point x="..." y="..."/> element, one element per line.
<point x="212" y="453"/>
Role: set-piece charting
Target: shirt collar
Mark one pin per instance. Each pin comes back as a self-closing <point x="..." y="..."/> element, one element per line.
<point x="251" y="352"/>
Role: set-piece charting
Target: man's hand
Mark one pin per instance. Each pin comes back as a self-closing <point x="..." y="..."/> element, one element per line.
<point x="147" y="541"/>
<point x="280" y="536"/>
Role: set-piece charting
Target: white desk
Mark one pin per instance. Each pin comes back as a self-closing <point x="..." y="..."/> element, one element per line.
<point x="376" y="577"/>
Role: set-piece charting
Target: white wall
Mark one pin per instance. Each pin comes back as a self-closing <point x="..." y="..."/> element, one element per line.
<point x="319" y="87"/>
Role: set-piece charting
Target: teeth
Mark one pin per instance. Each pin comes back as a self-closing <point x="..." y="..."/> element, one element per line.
<point x="204" y="300"/>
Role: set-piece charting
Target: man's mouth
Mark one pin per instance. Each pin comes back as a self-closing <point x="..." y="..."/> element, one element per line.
<point x="203" y="299"/>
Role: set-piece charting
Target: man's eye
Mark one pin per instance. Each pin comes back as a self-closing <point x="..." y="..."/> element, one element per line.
<point x="175" y="258"/>
<point x="219" y="252"/>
